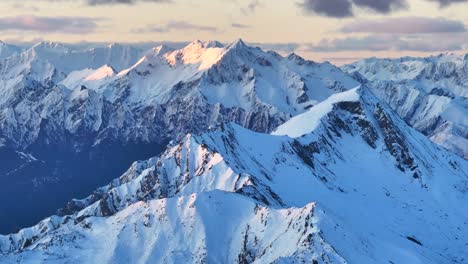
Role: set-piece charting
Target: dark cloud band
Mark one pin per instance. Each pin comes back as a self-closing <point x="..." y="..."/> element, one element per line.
<point x="344" y="8"/>
<point x="405" y="25"/>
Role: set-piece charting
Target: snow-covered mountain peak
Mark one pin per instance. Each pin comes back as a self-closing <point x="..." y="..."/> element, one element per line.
<point x="307" y="122"/>
<point x="105" y="71"/>
<point x="197" y="53"/>
<point x="238" y="43"/>
<point x="89" y="78"/>
<point x="47" y="47"/>
<point x="213" y="44"/>
<point x="160" y="50"/>
<point x="296" y="58"/>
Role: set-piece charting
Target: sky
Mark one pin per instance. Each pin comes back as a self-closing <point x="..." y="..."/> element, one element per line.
<point x="339" y="31"/>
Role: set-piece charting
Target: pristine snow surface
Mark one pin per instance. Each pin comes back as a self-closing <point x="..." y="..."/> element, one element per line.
<point x="361" y="186"/>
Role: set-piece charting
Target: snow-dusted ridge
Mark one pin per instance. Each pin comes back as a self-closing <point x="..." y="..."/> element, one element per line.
<point x="361" y="186"/>
<point x="306" y="123"/>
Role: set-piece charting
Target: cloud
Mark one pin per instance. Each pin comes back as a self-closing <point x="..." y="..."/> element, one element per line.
<point x="384" y="42"/>
<point x="95" y="2"/>
<point x="175" y="26"/>
<point x="405" y="25"/>
<point x="110" y="2"/>
<point x="67" y="25"/>
<point x="237" y="25"/>
<point x="251" y="7"/>
<point x="332" y="8"/>
<point x="381" y="6"/>
<point x="345" y="8"/>
<point x="23" y="7"/>
<point x="444" y="3"/>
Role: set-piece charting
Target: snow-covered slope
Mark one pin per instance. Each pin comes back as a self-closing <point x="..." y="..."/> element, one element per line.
<point x="429" y="93"/>
<point x="346" y="182"/>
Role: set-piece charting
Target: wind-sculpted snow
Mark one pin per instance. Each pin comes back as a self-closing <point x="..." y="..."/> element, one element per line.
<point x="356" y="186"/>
<point x="429" y="93"/>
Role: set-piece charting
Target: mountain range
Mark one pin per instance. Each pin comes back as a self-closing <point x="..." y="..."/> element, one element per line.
<point x="346" y="182"/>
<point x="277" y="158"/>
<point x="77" y="121"/>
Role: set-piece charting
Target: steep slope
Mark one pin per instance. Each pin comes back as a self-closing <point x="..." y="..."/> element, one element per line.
<point x="69" y="107"/>
<point x="352" y="183"/>
<point x="429" y="93"/>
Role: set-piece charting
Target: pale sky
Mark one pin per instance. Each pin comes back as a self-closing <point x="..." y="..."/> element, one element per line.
<point x="335" y="30"/>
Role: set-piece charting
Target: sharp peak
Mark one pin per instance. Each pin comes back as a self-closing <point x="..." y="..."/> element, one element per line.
<point x="205" y="44"/>
<point x="295" y="56"/>
<point x="107" y="66"/>
<point x="161" y="49"/>
<point x="239" y="43"/>
<point x="48" y="44"/>
<point x="308" y="121"/>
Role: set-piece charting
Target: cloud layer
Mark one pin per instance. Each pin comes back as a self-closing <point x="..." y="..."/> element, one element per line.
<point x="66" y="25"/>
<point x="444" y="3"/>
<point x="379" y="42"/>
<point x="346" y="8"/>
<point x="405" y="25"/>
<point x="176" y="26"/>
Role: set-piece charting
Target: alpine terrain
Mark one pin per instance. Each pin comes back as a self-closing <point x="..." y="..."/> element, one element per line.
<point x="67" y="113"/>
<point x="431" y="94"/>
<point x="347" y="181"/>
